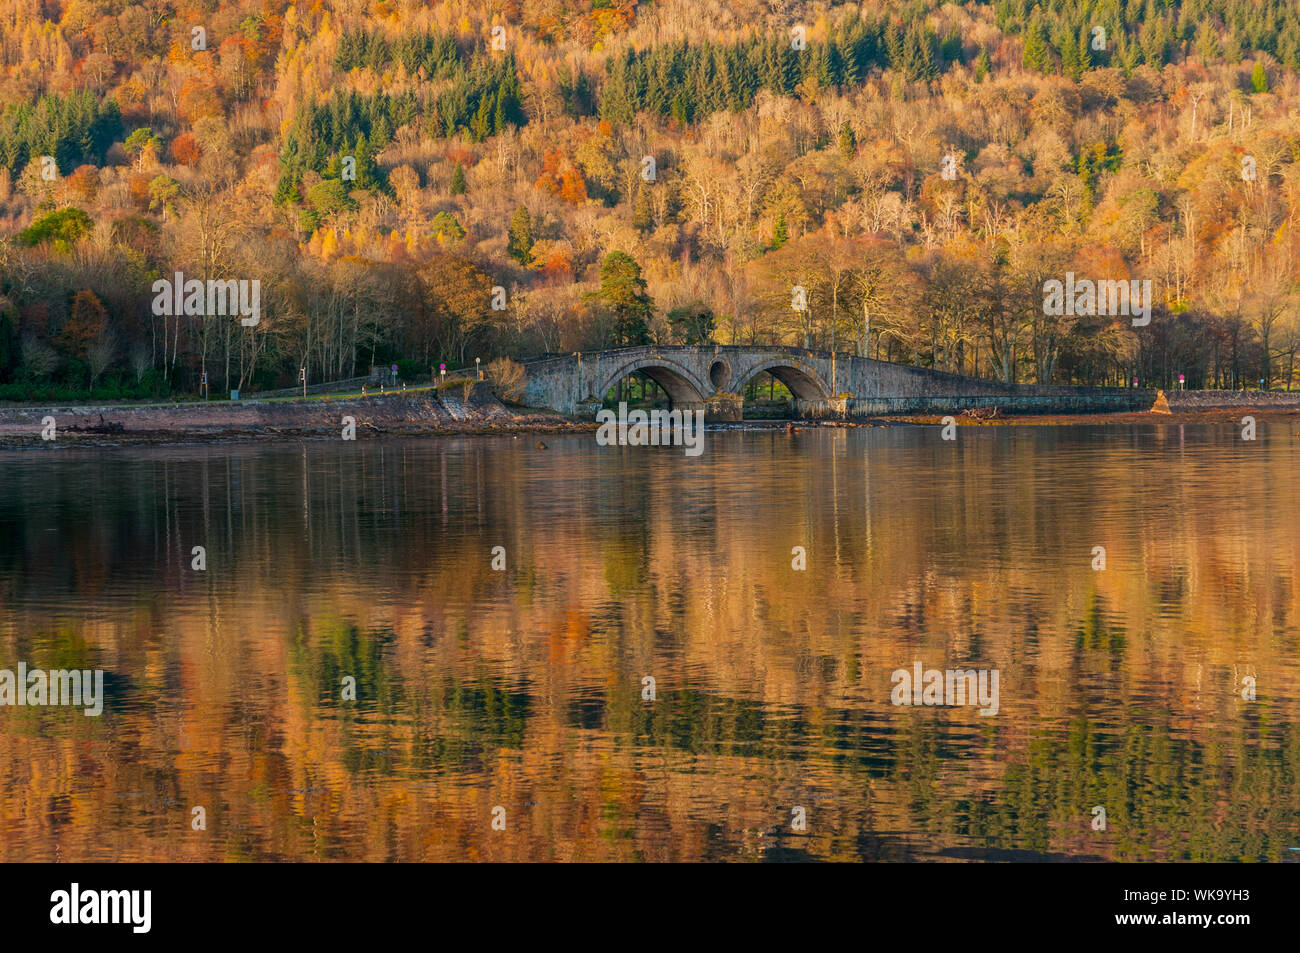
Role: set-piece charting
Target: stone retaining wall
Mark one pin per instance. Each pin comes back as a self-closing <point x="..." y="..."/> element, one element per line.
<point x="1230" y="399"/>
<point x="451" y="410"/>
<point x="1051" y="400"/>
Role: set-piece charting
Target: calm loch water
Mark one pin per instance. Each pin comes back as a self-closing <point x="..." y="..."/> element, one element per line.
<point x="523" y="689"/>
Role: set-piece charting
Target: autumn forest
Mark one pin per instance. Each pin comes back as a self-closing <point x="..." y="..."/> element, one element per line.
<point x="433" y="182"/>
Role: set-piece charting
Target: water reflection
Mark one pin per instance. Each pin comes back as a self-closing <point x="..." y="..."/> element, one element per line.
<point x="523" y="688"/>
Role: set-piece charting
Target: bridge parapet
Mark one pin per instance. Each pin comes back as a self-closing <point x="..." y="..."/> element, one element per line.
<point x="823" y="383"/>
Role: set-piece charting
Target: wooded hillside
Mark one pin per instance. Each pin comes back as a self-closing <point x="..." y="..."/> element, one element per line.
<point x="423" y="182"/>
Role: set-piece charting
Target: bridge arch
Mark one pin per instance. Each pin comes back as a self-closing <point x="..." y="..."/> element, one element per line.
<point x="802" y="381"/>
<point x="678" y="381"/>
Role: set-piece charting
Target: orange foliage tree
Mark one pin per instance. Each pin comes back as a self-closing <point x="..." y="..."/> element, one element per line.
<point x="84" y="326"/>
<point x="185" y="149"/>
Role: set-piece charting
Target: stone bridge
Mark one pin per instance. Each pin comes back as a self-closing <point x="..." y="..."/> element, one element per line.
<point x="824" y="384"/>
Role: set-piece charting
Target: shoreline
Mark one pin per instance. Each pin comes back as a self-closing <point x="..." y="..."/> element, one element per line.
<point x="483" y="415"/>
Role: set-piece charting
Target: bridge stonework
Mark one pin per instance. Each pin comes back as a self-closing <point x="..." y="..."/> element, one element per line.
<point x="824" y="384"/>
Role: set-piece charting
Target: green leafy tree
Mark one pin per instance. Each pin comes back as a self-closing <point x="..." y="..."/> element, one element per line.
<point x="286" y="189"/>
<point x="481" y="125"/>
<point x="692" y="324"/>
<point x="848" y="141"/>
<point x="780" y="232"/>
<point x="458" y="186"/>
<point x="623" y="293"/>
<point x="1259" y="78"/>
<point x="1037" y="56"/>
<point x="164" y="193"/>
<point x="1207" y="44"/>
<point x="62" y="228"/>
<point x="520" y="243"/>
<point x="1232" y="48"/>
<point x="918" y="53"/>
<point x="446" y="229"/>
<point x="1075" y="56"/>
<point x="138" y="141"/>
<point x="894" y="44"/>
<point x="329" y="197"/>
